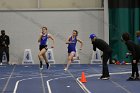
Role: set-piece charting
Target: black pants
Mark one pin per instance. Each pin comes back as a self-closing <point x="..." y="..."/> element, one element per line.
<point x="106" y="57"/>
<point x="135" y="70"/>
<point x="6" y="50"/>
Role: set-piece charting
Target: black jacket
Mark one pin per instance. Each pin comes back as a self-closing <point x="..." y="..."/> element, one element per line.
<point x="134" y="49"/>
<point x="4" y="41"/>
<point x="101" y="45"/>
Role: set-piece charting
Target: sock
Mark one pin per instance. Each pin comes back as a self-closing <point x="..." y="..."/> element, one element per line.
<point x="47" y="65"/>
<point x="41" y="64"/>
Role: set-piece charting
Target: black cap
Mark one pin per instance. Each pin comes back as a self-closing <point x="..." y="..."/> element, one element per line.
<point x="2" y="30"/>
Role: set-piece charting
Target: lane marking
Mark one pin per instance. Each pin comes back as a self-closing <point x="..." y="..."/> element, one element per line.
<point x="11" y="77"/>
<point x="67" y="86"/>
<point x="42" y="82"/>
<point x="48" y="82"/>
<point x="17" y="83"/>
<point x="7" y="82"/>
<point x="81" y="86"/>
<point x="126" y="90"/>
<point x="94" y="75"/>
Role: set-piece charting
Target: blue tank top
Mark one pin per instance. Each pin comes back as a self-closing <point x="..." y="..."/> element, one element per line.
<point x="73" y="44"/>
<point x="44" y="40"/>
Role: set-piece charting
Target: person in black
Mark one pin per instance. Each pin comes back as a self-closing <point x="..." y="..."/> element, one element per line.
<point x="107" y="51"/>
<point x="134" y="51"/>
<point x="4" y="46"/>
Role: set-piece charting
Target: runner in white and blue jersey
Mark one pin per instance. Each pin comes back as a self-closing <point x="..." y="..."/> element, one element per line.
<point x="72" y="40"/>
<point x="43" y="40"/>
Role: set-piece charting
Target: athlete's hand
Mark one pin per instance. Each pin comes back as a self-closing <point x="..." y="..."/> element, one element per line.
<point x="128" y="54"/>
<point x="134" y="61"/>
<point x="41" y="34"/>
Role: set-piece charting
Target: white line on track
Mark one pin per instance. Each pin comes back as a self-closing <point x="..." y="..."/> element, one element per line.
<point x="17" y="83"/>
<point x="11" y="77"/>
<point x="48" y="83"/>
<point x="82" y="86"/>
<point x="94" y="75"/>
<point x="42" y="82"/>
<point x="8" y="80"/>
<point x="126" y="90"/>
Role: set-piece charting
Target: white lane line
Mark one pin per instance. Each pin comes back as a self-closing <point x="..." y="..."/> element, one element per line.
<point x="48" y="83"/>
<point x="82" y="86"/>
<point x="71" y="69"/>
<point x="2" y="66"/>
<point x="4" y="89"/>
<point x="11" y="77"/>
<point x="94" y="75"/>
<point x="17" y="83"/>
<point x="126" y="90"/>
<point x="118" y="73"/>
<point x="42" y="82"/>
<point x="17" y="76"/>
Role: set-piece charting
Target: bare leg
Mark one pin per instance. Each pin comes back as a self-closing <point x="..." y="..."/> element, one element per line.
<point x="70" y="58"/>
<point x="40" y="56"/>
<point x="46" y="60"/>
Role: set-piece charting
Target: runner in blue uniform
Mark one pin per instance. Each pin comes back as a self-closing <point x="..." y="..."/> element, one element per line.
<point x="43" y="39"/>
<point x="72" y="40"/>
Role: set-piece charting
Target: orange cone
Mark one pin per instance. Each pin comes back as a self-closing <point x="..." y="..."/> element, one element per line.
<point x="83" y="78"/>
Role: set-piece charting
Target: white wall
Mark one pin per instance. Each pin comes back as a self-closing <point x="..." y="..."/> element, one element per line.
<point x="26" y="4"/>
<point x="24" y="27"/>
